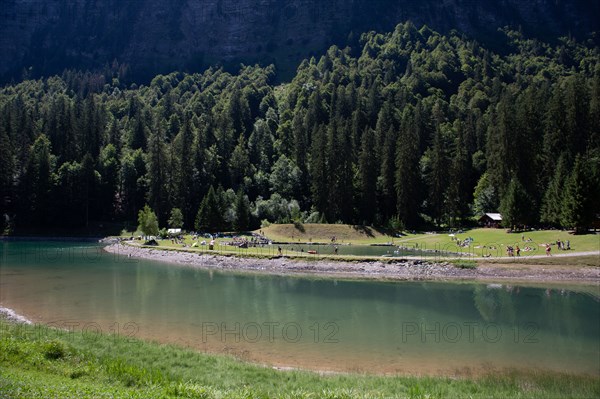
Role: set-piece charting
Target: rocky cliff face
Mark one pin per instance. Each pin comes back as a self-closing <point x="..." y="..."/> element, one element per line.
<point x="155" y="35"/>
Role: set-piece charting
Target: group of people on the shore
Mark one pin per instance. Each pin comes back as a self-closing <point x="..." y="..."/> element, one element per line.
<point x="256" y="240"/>
<point x="178" y="240"/>
<point x="524" y="239"/>
<point x="511" y="251"/>
<point x="563" y="246"/>
<point x="467" y="242"/>
<point x="516" y="250"/>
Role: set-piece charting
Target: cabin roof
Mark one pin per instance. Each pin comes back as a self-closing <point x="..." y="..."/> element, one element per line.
<point x="494" y="216"/>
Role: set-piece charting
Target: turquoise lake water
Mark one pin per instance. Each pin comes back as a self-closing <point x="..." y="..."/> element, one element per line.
<point x="324" y="324"/>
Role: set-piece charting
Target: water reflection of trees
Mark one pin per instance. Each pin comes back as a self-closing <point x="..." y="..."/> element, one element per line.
<point x="558" y="311"/>
<point x="495" y="304"/>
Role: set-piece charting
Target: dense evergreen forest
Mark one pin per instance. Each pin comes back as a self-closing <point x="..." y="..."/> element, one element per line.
<point x="413" y="129"/>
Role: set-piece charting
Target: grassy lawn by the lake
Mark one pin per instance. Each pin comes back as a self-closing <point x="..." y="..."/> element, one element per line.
<point x="494" y="241"/>
<point x="481" y="236"/>
<point x="37" y="362"/>
<point x="482" y="242"/>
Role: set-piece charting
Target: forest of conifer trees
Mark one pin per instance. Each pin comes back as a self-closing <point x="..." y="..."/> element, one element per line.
<point x="413" y="130"/>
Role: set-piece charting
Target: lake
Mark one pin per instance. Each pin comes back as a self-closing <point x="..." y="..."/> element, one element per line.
<point x="322" y="324"/>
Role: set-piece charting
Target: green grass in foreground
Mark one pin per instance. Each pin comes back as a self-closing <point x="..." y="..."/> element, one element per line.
<point x="36" y="362"/>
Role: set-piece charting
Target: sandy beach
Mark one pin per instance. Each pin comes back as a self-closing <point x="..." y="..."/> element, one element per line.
<point x="402" y="270"/>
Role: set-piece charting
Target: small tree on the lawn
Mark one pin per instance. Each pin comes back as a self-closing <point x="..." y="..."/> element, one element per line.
<point x="176" y="219"/>
<point x="147" y="221"/>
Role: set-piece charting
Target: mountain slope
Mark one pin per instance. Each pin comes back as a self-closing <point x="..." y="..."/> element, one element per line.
<point x="153" y="36"/>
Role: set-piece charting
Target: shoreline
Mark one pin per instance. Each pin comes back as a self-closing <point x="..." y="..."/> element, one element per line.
<point x="13" y="317"/>
<point x="401" y="270"/>
<point x="467" y="373"/>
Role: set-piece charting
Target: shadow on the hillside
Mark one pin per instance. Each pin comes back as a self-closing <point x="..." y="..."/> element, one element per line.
<point x="300" y="227"/>
<point x="370" y="231"/>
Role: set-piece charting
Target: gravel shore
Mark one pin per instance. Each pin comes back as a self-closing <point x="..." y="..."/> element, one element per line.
<point x="11" y="316"/>
<point x="416" y="270"/>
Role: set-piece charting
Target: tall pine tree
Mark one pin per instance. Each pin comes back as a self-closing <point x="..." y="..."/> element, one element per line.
<point x="185" y="172"/>
<point x="580" y="201"/>
<point x="157" y="172"/>
<point x="367" y="179"/>
<point x="407" y="171"/>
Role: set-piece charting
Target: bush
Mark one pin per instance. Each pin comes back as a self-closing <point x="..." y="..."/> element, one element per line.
<point x="465" y="264"/>
<point x="396" y="224"/>
<point x="54" y="349"/>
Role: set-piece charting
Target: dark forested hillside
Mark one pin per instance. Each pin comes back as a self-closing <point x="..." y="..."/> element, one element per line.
<point x="411" y="128"/>
<point x="44" y="37"/>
